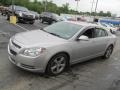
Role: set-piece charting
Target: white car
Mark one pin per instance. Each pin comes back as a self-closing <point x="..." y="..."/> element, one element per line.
<point x="59" y="45"/>
<point x="110" y="27"/>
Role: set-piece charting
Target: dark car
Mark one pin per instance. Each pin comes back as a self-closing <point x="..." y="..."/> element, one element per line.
<point x="36" y="14"/>
<point x="22" y="14"/>
<point x="50" y="17"/>
<point x="3" y="10"/>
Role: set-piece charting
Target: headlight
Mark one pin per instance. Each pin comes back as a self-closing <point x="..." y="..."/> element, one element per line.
<point x="20" y="14"/>
<point x="33" y="52"/>
<point x="33" y="16"/>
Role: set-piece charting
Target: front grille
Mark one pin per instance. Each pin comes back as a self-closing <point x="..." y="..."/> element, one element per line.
<point x="16" y="45"/>
<point x="27" y="66"/>
<point x="13" y="52"/>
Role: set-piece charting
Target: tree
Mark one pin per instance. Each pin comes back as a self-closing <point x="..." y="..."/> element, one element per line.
<point x="101" y="13"/>
<point x="51" y="7"/>
<point x="108" y="14"/>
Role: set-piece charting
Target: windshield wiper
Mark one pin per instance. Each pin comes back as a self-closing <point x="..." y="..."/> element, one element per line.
<point x="55" y="34"/>
<point x="43" y="30"/>
<point x="50" y="32"/>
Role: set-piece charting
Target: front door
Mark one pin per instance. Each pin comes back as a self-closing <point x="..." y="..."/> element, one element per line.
<point x="84" y="49"/>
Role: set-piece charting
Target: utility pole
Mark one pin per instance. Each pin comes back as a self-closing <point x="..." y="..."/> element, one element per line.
<point x="77" y="8"/>
<point x="45" y="5"/>
<point x="96" y="8"/>
<point x="92" y="7"/>
<point x="12" y="1"/>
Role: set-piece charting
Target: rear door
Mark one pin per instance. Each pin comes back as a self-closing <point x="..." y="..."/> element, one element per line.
<point x="100" y="39"/>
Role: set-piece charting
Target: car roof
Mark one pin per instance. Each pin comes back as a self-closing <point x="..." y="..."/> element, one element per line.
<point x="85" y="24"/>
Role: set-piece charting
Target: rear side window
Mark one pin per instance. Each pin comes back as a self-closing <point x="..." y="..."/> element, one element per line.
<point x="99" y="32"/>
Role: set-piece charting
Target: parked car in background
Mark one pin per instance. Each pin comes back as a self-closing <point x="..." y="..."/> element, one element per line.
<point x="1" y="7"/>
<point x="71" y="19"/>
<point x="36" y="14"/>
<point x="22" y="14"/>
<point x="59" y="45"/>
<point x="50" y="17"/>
<point x="110" y="27"/>
<point x="3" y="10"/>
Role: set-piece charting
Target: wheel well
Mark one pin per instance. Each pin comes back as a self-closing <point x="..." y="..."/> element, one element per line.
<point x="62" y="53"/>
<point x="68" y="63"/>
<point x="111" y="45"/>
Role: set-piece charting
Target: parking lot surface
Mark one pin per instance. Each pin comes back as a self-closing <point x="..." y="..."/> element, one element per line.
<point x="95" y="74"/>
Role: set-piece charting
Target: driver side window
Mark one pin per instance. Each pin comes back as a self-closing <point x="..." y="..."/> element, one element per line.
<point x="89" y="33"/>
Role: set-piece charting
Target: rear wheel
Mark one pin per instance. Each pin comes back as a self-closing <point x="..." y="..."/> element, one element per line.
<point x="57" y="64"/>
<point x="108" y="52"/>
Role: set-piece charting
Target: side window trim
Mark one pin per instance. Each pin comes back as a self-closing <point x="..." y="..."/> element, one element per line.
<point x="106" y="34"/>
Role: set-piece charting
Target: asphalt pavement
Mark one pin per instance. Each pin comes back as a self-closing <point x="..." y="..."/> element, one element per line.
<point x="95" y="74"/>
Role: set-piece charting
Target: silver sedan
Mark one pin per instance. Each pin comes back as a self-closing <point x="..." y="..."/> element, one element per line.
<point x="52" y="49"/>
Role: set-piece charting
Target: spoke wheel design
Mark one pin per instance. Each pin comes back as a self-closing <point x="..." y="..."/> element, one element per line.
<point x="108" y="52"/>
<point x="57" y="64"/>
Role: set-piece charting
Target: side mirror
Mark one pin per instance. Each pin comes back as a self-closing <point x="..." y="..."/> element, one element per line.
<point x="83" y="38"/>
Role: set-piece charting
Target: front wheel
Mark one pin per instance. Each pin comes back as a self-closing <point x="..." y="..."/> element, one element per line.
<point x="108" y="52"/>
<point x="17" y="20"/>
<point x="57" y="64"/>
<point x="32" y="22"/>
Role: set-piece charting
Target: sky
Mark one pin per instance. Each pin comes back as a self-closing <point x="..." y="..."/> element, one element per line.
<point x="85" y="5"/>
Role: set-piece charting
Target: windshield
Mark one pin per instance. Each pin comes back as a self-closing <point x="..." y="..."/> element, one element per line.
<point x="18" y="8"/>
<point x="64" y="30"/>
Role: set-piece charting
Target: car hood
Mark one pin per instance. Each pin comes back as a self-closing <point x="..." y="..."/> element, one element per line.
<point x="27" y="13"/>
<point x="38" y="38"/>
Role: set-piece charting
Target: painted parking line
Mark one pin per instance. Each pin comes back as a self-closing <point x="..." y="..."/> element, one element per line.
<point x="3" y="33"/>
<point x="22" y="27"/>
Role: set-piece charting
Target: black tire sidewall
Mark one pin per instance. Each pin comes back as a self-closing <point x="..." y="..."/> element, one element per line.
<point x="32" y="22"/>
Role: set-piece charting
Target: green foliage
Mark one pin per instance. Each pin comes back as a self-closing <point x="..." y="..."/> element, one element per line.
<point x="50" y="6"/>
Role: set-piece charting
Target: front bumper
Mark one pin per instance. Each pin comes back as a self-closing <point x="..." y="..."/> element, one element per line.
<point x="27" y="63"/>
<point x="26" y="18"/>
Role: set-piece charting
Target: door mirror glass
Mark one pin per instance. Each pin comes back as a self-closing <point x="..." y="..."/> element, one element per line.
<point x="84" y="38"/>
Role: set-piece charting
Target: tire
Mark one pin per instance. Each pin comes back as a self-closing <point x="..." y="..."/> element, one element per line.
<point x="50" y="22"/>
<point x="17" y="20"/>
<point x="32" y="22"/>
<point x="108" y="52"/>
<point x="42" y="20"/>
<point x="57" y="64"/>
<point x="53" y="22"/>
<point x="8" y="18"/>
